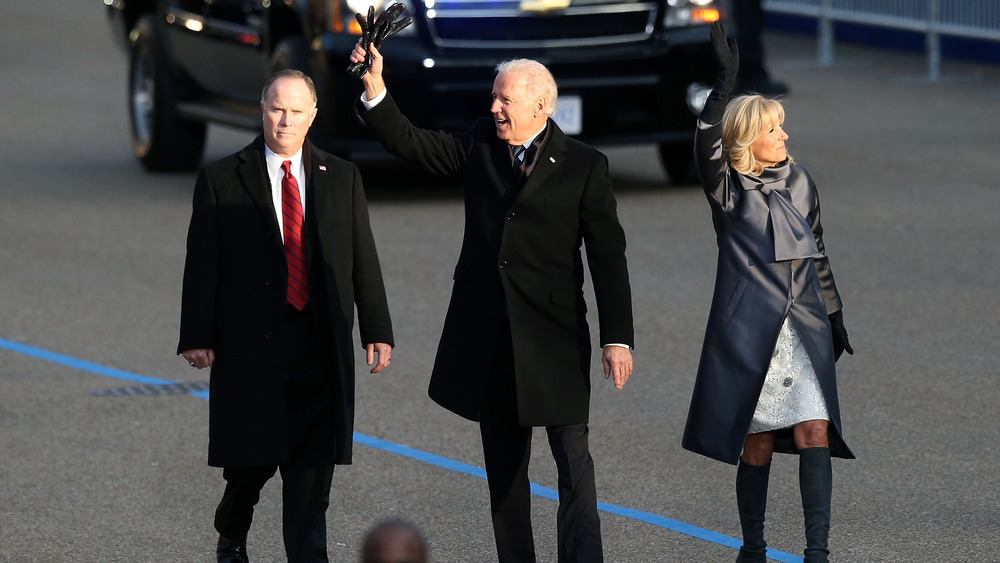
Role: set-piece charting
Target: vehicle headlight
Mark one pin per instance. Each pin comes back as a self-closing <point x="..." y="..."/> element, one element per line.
<point x="361" y="6"/>
<point x="697" y="95"/>
<point x="682" y="13"/>
<point x="342" y="12"/>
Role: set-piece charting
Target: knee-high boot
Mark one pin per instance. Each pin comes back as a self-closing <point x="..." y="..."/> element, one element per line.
<point x="816" y="485"/>
<point x="751" y="498"/>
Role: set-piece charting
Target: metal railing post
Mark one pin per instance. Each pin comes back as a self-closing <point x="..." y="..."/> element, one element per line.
<point x="824" y="31"/>
<point x="975" y="19"/>
<point x="933" y="41"/>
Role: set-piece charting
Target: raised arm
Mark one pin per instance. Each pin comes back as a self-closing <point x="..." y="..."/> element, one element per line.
<point x="436" y="151"/>
<point x="373" y="81"/>
<point x="709" y="159"/>
<point x="727" y="55"/>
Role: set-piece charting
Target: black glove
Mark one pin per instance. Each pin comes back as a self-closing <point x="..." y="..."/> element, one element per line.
<point x="375" y="30"/>
<point x="727" y="55"/>
<point x="386" y="24"/>
<point x="840" y="341"/>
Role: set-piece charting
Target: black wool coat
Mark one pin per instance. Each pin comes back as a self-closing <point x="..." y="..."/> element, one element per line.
<point x="772" y="263"/>
<point x="233" y="300"/>
<point x="521" y="261"/>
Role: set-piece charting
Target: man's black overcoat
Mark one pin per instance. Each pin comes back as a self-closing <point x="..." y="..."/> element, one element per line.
<point x="521" y="251"/>
<point x="235" y="280"/>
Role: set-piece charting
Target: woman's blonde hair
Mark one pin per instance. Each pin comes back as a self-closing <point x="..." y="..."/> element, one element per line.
<point x="746" y="118"/>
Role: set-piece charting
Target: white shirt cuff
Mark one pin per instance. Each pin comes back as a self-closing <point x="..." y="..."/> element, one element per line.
<point x="369" y="104"/>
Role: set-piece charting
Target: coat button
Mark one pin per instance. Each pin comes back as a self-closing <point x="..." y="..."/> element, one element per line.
<point x="503" y="264"/>
<point x="267" y="282"/>
<point x="269" y="336"/>
<point x="511" y="215"/>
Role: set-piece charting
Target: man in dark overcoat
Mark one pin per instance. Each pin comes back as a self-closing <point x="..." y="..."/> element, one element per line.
<point x="515" y="350"/>
<point x="279" y="252"/>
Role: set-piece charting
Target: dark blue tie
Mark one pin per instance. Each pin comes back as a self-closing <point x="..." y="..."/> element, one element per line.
<point x="520" y="161"/>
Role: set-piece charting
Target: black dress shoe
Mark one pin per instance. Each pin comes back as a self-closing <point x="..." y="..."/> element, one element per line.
<point x="231" y="551"/>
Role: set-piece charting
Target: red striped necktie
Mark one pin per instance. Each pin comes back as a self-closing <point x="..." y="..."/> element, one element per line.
<point x="292" y="221"/>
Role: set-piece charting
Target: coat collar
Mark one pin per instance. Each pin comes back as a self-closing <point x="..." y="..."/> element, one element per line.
<point x="792" y="234"/>
<point x="252" y="171"/>
<point x="770" y="175"/>
<point x="319" y="188"/>
<point x="549" y="159"/>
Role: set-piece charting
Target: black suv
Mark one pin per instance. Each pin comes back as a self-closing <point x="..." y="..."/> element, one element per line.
<point x="629" y="71"/>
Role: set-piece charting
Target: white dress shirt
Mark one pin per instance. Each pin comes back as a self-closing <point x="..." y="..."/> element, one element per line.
<point x="275" y="174"/>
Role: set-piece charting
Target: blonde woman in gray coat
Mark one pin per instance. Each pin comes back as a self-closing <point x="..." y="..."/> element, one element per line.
<point x="766" y="380"/>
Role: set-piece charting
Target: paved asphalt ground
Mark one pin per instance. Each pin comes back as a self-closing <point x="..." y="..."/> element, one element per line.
<point x="91" y="252"/>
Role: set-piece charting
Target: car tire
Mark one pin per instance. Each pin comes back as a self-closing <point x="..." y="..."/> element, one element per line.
<point x="678" y="162"/>
<point x="162" y="140"/>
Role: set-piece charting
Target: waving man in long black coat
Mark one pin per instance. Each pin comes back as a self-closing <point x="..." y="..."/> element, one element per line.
<point x="515" y="350"/>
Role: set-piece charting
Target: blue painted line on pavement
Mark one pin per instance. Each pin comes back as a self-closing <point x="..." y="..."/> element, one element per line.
<point x="420" y="455"/>
<point x="551" y="494"/>
<point x="46" y="355"/>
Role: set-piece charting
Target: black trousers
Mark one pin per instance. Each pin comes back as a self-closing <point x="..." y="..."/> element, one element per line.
<point x="307" y="475"/>
<point x="305" y="496"/>
<point x="507" y="447"/>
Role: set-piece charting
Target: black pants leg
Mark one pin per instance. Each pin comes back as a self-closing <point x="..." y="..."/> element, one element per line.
<point x="506" y="454"/>
<point x="235" y="512"/>
<point x="305" y="493"/>
<point x="578" y="524"/>
<point x="506" y="450"/>
<point x="307" y="475"/>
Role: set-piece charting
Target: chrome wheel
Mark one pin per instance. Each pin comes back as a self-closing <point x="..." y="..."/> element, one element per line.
<point x="142" y="94"/>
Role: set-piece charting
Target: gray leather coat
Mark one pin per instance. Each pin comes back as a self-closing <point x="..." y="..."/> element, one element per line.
<point x="772" y="263"/>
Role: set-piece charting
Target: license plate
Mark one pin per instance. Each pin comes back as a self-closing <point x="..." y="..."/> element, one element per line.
<point x="569" y="114"/>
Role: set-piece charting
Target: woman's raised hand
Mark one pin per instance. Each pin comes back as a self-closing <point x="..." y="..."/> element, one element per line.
<point x="727" y="54"/>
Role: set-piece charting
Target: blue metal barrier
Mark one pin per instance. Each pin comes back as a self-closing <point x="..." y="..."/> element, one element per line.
<point x="974" y="19"/>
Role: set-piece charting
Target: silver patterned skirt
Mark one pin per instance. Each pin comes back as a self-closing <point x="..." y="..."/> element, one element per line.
<point x="791" y="392"/>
